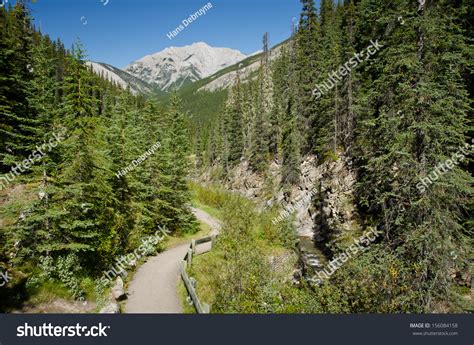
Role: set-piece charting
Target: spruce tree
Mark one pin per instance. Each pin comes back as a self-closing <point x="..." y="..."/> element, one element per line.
<point x="291" y="137"/>
<point x="419" y="107"/>
<point x="307" y="70"/>
<point x="261" y="134"/>
<point x="86" y="194"/>
<point x="233" y="113"/>
<point x="173" y="197"/>
<point x="17" y="126"/>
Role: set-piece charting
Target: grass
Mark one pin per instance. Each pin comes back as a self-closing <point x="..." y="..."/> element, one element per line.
<point x="183" y="295"/>
<point x="203" y="288"/>
<point x="214" y="212"/>
<point x="203" y="270"/>
<point x="171" y="242"/>
<point x="464" y="297"/>
<point x="208" y="268"/>
<point x="174" y="241"/>
<point x="48" y="292"/>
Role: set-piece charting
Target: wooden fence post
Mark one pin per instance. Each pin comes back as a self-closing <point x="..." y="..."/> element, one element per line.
<point x="190" y="256"/>
<point x="191" y="282"/>
<point x="206" y="308"/>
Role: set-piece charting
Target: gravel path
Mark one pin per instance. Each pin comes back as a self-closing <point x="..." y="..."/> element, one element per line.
<point x="154" y="285"/>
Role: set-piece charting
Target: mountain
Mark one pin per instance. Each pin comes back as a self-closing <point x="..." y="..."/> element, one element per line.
<point x="224" y="78"/>
<point x="247" y="70"/>
<point x="177" y="66"/>
<point x="205" y="98"/>
<point x="121" y="77"/>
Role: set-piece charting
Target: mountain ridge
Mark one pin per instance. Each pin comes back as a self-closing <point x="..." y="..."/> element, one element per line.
<point x="120" y="77"/>
<point x="175" y="67"/>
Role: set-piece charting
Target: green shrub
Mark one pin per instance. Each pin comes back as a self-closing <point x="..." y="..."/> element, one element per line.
<point x="65" y="269"/>
<point x="213" y="196"/>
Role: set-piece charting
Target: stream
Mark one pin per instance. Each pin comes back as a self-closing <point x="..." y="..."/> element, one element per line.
<point x="312" y="258"/>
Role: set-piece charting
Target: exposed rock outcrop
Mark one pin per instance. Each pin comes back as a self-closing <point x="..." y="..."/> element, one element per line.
<point x="111" y="308"/>
<point x="324" y="195"/>
<point x="118" y="291"/>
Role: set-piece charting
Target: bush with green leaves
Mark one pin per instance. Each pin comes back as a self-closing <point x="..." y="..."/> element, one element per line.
<point x="64" y="269"/>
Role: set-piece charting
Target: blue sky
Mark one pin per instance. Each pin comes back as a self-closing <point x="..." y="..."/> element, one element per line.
<point x="123" y="31"/>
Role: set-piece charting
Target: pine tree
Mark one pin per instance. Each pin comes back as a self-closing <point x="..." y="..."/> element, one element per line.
<point x="291" y="138"/>
<point x="85" y="192"/>
<point x="291" y="149"/>
<point x="248" y="118"/>
<point x="33" y="230"/>
<point x="173" y="197"/>
<point x="307" y="69"/>
<point x="122" y="149"/>
<point x="419" y="107"/>
<point x="349" y="84"/>
<point x="41" y="99"/>
<point x="17" y="126"/>
<point x="233" y="113"/>
<point x="326" y="126"/>
<point x="260" y="143"/>
<point x="280" y="77"/>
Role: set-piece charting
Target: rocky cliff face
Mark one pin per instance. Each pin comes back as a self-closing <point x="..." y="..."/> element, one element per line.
<point x="323" y="201"/>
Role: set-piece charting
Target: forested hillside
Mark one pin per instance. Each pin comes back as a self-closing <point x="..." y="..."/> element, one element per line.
<point x="389" y="85"/>
<point x="87" y="169"/>
<point x="360" y="123"/>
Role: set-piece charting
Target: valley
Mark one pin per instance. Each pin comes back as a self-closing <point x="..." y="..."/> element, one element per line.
<point x="307" y="165"/>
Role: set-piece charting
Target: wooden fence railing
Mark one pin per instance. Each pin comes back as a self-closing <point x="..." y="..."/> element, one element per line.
<point x="189" y="283"/>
